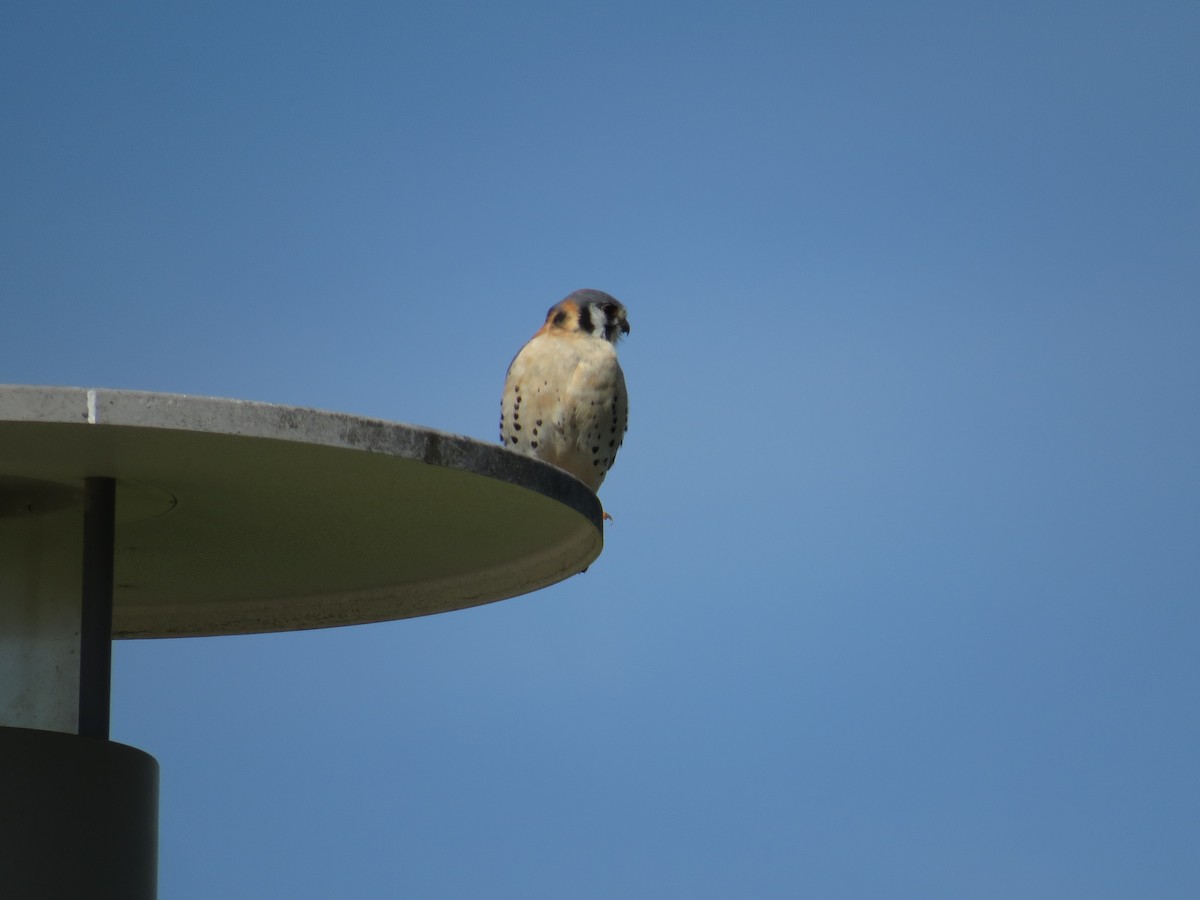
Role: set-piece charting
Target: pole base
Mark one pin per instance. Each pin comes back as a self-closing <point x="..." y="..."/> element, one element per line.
<point x="78" y="817"/>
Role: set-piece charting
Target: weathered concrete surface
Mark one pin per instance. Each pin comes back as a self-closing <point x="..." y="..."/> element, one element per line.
<point x="237" y="517"/>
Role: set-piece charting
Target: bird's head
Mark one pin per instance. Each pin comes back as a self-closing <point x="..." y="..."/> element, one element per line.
<point x="588" y="313"/>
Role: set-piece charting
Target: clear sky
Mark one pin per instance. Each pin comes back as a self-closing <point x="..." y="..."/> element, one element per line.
<point x="903" y="594"/>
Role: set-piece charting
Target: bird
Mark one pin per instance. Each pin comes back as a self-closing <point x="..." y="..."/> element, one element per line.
<point x="564" y="398"/>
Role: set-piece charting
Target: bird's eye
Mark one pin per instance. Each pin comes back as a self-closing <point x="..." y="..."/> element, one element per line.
<point x="610" y="310"/>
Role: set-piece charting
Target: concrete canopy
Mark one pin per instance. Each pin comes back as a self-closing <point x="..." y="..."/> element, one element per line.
<point x="236" y="517"/>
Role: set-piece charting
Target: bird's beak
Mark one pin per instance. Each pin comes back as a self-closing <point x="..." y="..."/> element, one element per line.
<point x="624" y="326"/>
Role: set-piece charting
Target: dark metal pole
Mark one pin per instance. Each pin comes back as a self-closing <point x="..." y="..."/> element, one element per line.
<point x="95" y="633"/>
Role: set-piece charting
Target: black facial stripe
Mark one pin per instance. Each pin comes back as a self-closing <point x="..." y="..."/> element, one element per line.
<point x="585" y="320"/>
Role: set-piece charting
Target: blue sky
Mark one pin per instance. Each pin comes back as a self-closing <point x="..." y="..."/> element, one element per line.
<point x="903" y="594"/>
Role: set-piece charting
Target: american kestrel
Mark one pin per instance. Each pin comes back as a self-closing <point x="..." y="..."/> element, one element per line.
<point x="564" y="398"/>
